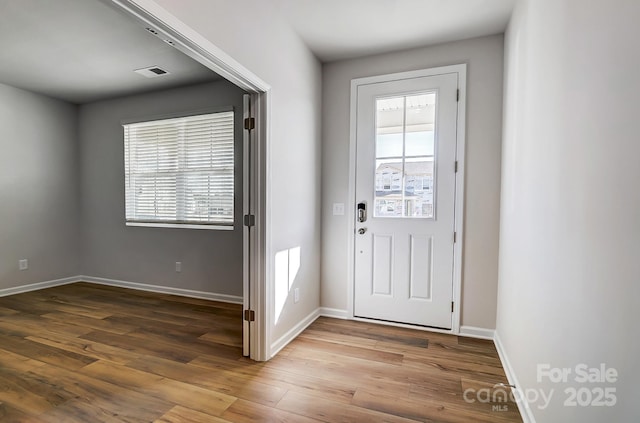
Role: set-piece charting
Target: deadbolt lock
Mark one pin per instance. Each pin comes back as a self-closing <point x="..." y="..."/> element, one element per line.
<point x="361" y="231"/>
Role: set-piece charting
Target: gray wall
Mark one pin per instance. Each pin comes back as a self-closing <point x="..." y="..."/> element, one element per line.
<point x="569" y="267"/>
<point x="211" y="260"/>
<point x="484" y="58"/>
<point x="39" y="208"/>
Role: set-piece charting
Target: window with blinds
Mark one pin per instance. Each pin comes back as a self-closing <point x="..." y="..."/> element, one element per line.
<point x="180" y="170"/>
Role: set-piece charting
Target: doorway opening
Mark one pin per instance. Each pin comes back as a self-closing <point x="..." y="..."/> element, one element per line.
<point x="255" y="114"/>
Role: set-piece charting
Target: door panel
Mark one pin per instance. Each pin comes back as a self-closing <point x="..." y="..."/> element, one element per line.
<point x="246" y="210"/>
<point x="406" y="150"/>
<point x="382" y="264"/>
<point x="421" y="266"/>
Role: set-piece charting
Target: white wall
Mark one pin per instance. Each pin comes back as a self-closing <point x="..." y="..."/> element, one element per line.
<point x="39" y="209"/>
<point x="568" y="290"/>
<point x="482" y="186"/>
<point x="255" y="35"/>
<point x="211" y="260"/>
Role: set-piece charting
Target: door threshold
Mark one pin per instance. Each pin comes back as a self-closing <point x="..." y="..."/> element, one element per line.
<point x="404" y="325"/>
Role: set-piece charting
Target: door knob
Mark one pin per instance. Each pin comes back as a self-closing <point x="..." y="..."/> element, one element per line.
<point x="361" y="231"/>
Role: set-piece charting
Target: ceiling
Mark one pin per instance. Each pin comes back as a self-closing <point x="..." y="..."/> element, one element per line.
<point x="83" y="50"/>
<point x="341" y="29"/>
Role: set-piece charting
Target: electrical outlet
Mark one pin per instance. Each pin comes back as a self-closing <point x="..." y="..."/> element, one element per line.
<point x="178" y="266"/>
<point x="296" y="295"/>
<point x="338" y="209"/>
<point x="23" y="264"/>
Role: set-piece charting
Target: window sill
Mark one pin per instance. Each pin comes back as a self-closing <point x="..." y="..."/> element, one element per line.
<point x="181" y="226"/>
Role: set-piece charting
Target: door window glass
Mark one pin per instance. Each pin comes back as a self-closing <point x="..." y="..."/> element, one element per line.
<point x="405" y="154"/>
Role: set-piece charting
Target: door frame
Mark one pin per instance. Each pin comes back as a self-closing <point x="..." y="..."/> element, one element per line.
<point x="256" y="240"/>
<point x="461" y="71"/>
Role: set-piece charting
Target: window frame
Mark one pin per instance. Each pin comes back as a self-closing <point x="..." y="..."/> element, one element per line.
<point x="186" y="225"/>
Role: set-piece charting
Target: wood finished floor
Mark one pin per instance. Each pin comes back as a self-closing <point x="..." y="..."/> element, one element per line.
<point x="89" y="353"/>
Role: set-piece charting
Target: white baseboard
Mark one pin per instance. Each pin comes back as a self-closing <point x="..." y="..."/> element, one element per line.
<point x="36" y="286"/>
<point x="122" y="284"/>
<point x="162" y="289"/>
<point x="334" y="312"/>
<point x="476" y="332"/>
<point x="293" y="332"/>
<point x="523" y="406"/>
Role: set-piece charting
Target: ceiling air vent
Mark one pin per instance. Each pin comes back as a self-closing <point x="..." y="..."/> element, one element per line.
<point x="152" y="72"/>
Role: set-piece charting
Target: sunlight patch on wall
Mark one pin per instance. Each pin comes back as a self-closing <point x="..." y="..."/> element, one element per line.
<point x="287" y="265"/>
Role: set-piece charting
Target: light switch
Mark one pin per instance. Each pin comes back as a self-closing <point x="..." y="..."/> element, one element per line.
<point x="338" y="209"/>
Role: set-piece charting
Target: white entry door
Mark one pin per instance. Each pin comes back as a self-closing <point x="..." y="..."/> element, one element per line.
<point x="405" y="199"/>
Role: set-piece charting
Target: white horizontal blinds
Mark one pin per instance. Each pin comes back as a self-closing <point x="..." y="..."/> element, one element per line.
<point x="180" y="170"/>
